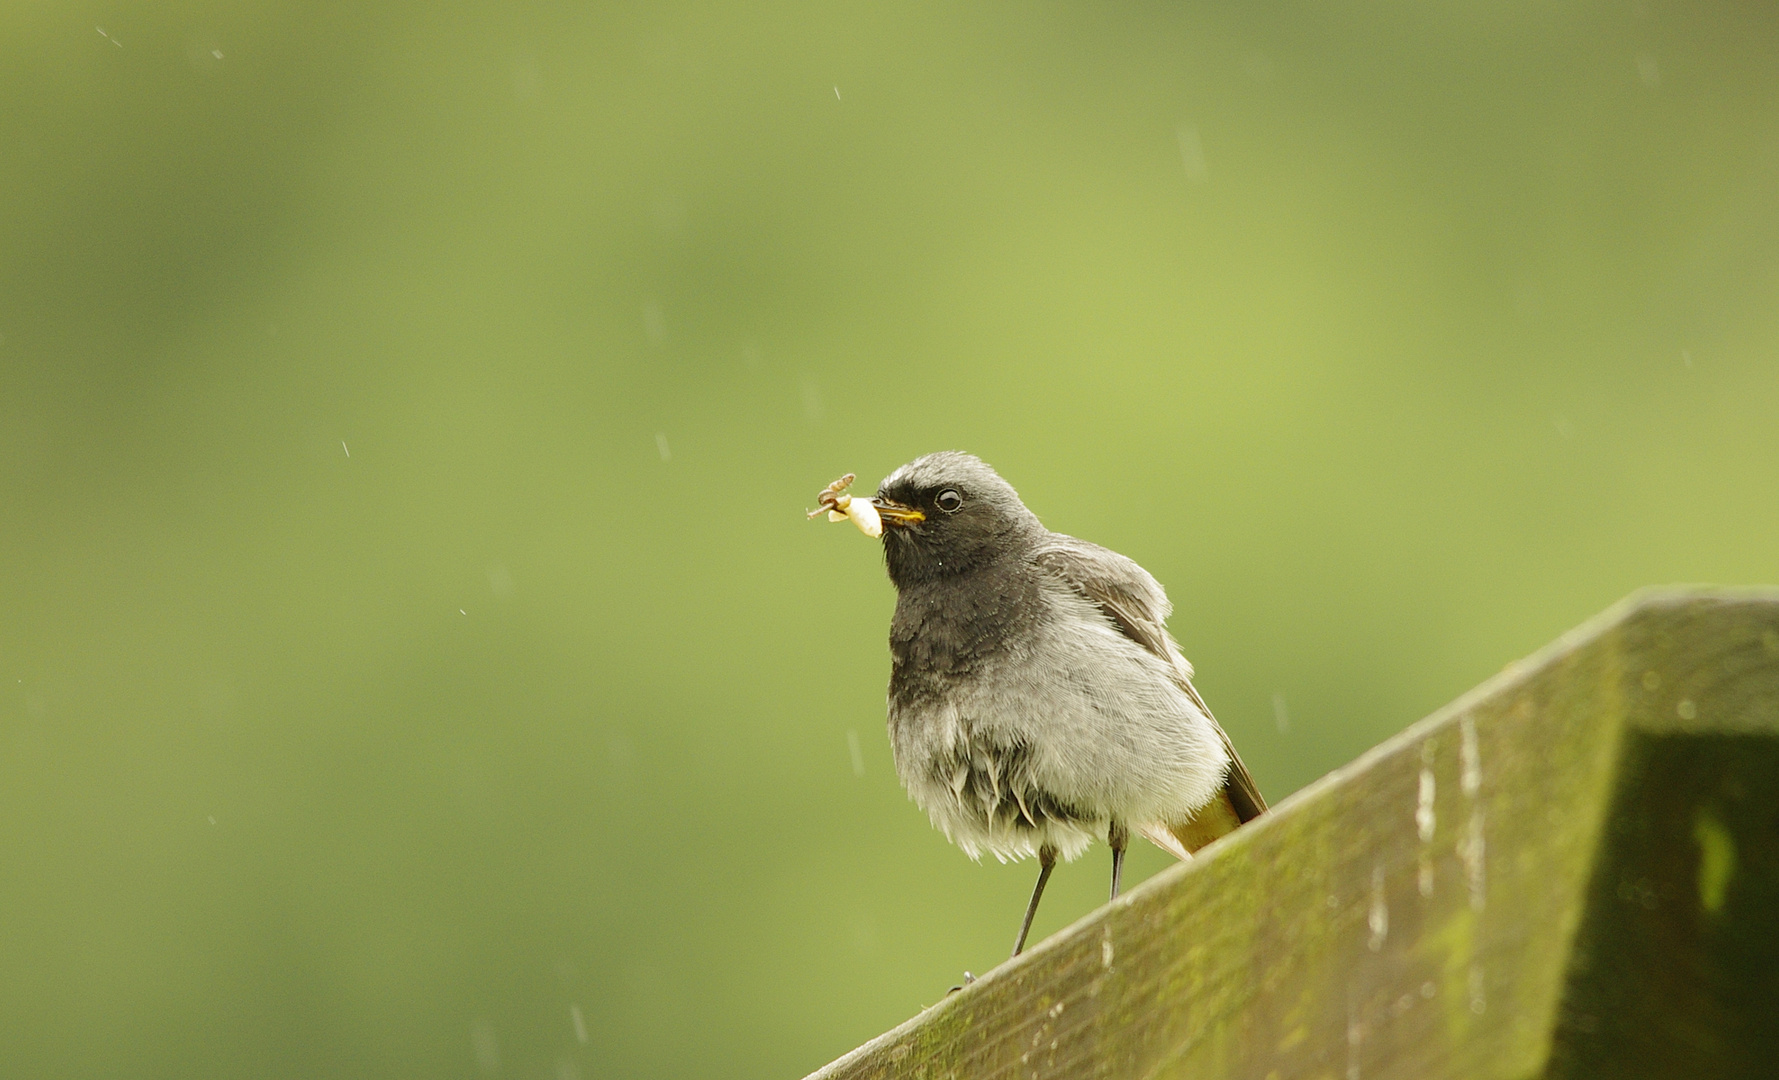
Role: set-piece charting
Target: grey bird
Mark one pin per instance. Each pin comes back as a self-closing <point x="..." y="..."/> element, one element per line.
<point x="1036" y="699"/>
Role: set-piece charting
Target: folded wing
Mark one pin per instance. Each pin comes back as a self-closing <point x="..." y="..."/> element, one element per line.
<point x="1136" y="603"/>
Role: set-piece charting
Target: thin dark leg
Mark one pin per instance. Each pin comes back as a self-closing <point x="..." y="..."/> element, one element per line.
<point x="1046" y="863"/>
<point x="1119" y="837"/>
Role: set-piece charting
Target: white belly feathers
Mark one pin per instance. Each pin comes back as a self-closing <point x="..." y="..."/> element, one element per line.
<point x="1105" y="705"/>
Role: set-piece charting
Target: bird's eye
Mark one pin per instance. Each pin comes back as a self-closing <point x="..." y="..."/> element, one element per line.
<point x="950" y="500"/>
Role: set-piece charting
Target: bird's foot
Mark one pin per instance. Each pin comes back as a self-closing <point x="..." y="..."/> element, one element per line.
<point x="968" y="979"/>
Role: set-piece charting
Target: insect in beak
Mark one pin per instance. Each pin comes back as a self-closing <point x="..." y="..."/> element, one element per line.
<point x="843" y="507"/>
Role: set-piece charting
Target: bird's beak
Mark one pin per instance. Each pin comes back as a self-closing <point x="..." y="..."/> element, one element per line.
<point x="894" y="513"/>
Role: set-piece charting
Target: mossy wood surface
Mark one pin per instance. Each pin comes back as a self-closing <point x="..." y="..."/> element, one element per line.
<point x="1571" y="871"/>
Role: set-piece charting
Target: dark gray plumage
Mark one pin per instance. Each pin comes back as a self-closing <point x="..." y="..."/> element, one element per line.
<point x="1036" y="699"/>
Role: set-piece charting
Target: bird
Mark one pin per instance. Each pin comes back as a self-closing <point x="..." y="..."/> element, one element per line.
<point x="1036" y="699"/>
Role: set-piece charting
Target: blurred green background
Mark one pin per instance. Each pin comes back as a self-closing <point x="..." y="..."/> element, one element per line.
<point x="416" y="661"/>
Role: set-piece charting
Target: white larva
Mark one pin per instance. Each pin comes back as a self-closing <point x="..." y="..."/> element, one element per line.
<point x="864" y="514"/>
<point x="861" y="513"/>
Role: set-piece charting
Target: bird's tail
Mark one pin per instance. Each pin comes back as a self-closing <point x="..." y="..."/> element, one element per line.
<point x="1215" y="819"/>
<point x="1239" y="801"/>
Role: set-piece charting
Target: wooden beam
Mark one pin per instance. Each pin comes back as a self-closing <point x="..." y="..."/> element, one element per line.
<point x="1571" y="871"/>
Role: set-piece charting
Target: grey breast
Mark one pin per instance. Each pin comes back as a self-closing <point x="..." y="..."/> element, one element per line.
<point x="966" y="666"/>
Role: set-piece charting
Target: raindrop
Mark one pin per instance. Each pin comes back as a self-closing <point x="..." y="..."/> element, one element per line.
<point x="1379" y="917"/>
<point x="858" y="755"/>
<point x="1424" y="819"/>
<point x="1192" y="153"/>
<point x="486" y="1046"/>
<point x="528" y="79"/>
<point x="1281" y="717"/>
<point x="670" y="214"/>
<point x="1469" y="759"/>
<point x="661" y="445"/>
<point x="1355" y="1037"/>
<point x="1472" y="852"/>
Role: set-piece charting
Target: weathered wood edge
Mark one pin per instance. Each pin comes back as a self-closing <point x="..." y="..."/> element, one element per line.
<point x="1673" y="971"/>
<point x="1512" y="678"/>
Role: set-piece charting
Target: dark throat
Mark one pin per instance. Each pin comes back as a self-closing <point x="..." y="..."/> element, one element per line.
<point x="946" y="629"/>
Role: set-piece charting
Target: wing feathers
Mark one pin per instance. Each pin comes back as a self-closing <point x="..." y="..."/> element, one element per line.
<point x="1138" y="606"/>
<point x="1244" y="795"/>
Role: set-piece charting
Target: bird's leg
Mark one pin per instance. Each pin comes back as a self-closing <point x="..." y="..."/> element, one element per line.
<point x="1046" y="863"/>
<point x="1119" y="837"/>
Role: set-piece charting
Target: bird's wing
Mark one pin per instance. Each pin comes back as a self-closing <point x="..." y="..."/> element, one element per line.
<point x="1136" y="603"/>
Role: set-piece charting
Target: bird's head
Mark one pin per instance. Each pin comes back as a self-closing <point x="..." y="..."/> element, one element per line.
<point x="948" y="513"/>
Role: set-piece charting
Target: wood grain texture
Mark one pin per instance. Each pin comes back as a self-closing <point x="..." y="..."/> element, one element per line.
<point x="1417" y="913"/>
